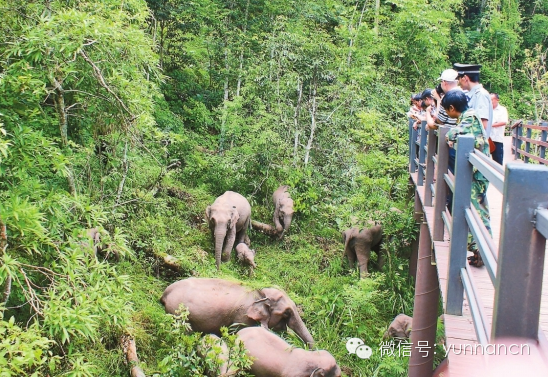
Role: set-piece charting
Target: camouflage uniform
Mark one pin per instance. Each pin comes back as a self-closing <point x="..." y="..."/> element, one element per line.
<point x="469" y="124"/>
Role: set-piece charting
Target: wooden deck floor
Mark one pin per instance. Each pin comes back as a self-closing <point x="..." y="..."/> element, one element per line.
<point x="460" y="330"/>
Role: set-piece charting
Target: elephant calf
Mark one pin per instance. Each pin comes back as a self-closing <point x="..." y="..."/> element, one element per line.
<point x="358" y="245"/>
<point x="214" y="303"/>
<point x="274" y="357"/>
<point x="400" y="327"/>
<point x="246" y="255"/>
<point x="283" y="212"/>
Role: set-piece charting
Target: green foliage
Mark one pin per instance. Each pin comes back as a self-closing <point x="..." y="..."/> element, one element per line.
<point x="24" y="351"/>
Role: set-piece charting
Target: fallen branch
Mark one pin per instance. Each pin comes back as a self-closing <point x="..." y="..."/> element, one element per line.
<point x="171" y="262"/>
<point x="129" y="348"/>
<point x="265" y="228"/>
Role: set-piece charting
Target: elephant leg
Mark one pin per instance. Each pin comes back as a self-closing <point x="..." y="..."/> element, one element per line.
<point x="363" y="252"/>
<point x="351" y="254"/>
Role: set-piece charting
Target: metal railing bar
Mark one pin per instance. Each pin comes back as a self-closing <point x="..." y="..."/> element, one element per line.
<point x="474" y="308"/>
<point x="485" y="233"/>
<point x="542" y="222"/>
<point x="486" y="324"/>
<point x="416" y="161"/>
<point x="450" y="182"/>
<point x="491" y="174"/>
<point x="433" y="189"/>
<point x="483" y="246"/>
<point x="446" y="221"/>
<point x="495" y="165"/>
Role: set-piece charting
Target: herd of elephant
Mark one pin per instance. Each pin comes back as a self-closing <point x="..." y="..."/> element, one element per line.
<point x="229" y="218"/>
<point x="215" y="303"/>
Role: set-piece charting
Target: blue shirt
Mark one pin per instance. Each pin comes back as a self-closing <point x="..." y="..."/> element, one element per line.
<point x="479" y="99"/>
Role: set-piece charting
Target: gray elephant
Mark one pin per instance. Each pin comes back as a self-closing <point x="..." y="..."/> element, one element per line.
<point x="274" y="357"/>
<point x="400" y="327"/>
<point x="283" y="212"/>
<point x="214" y="303"/>
<point x="228" y="218"/>
<point x="358" y="245"/>
<point x="246" y="255"/>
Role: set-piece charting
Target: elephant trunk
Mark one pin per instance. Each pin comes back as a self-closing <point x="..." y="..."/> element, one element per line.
<point x="287" y="221"/>
<point x="297" y="325"/>
<point x="220" y="235"/>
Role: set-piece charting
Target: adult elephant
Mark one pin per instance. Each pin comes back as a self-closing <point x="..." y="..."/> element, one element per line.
<point x="274" y="357"/>
<point x="214" y="303"/>
<point x="358" y="245"/>
<point x="228" y="217"/>
<point x="283" y="212"/>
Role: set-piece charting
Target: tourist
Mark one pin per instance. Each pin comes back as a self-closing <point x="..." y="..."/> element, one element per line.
<point x="500" y="120"/>
<point x="469" y="123"/>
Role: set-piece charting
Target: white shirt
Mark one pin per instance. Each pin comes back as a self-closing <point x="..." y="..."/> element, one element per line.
<point x="500" y="114"/>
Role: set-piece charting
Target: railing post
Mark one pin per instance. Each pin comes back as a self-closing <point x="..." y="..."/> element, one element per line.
<point x="441" y="187"/>
<point x="459" y="229"/>
<point x="422" y="154"/>
<point x="425" y="308"/>
<point x="519" y="132"/>
<point x="520" y="262"/>
<point x="412" y="146"/>
<point x="527" y="143"/>
<point x="543" y="138"/>
<point x="431" y="151"/>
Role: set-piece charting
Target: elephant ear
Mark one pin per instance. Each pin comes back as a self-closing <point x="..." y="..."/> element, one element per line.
<point x="318" y="372"/>
<point x="208" y="213"/>
<point x="234" y="217"/>
<point x="260" y="311"/>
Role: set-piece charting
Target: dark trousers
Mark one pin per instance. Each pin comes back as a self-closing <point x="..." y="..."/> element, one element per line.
<point x="451" y="166"/>
<point x="498" y="154"/>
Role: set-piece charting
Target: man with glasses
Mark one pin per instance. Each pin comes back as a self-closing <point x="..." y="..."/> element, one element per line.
<point x="479" y="99"/>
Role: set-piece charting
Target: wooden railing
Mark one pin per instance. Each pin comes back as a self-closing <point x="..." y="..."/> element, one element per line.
<point x="531" y="144"/>
<point x="515" y="268"/>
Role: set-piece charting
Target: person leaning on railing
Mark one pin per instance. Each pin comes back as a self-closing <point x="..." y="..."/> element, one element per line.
<point x="455" y="104"/>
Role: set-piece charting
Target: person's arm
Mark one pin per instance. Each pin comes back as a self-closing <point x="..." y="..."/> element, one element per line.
<point x="504" y="119"/>
<point x="485" y="122"/>
<point x="430" y="122"/>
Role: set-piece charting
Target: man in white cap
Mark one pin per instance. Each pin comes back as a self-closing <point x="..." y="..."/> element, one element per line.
<point x="449" y="82"/>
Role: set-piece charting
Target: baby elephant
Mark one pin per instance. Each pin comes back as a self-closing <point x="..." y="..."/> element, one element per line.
<point x="246" y="255"/>
<point x="400" y="327"/>
<point x="283" y="212"/>
<point x="273" y="357"/>
<point x="358" y="245"/>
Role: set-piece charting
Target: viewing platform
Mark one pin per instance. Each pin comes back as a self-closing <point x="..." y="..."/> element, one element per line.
<point x="508" y="296"/>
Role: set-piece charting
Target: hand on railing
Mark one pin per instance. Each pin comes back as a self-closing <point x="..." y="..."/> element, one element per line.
<point x="518" y="123"/>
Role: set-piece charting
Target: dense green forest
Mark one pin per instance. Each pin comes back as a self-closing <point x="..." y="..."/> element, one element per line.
<point x="131" y="116"/>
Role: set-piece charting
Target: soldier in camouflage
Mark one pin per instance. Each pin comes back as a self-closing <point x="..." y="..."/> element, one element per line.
<point x="468" y="123"/>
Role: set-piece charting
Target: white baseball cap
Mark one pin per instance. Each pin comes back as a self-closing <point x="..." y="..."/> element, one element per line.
<point x="449" y="75"/>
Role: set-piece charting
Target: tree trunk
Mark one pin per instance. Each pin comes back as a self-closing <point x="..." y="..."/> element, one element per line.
<point x="312" y="122"/>
<point x="238" y="85"/>
<point x="296" y="120"/>
<point x="377" y="12"/>
<point x="59" y="100"/>
<point x="225" y="100"/>
<point x="357" y="31"/>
